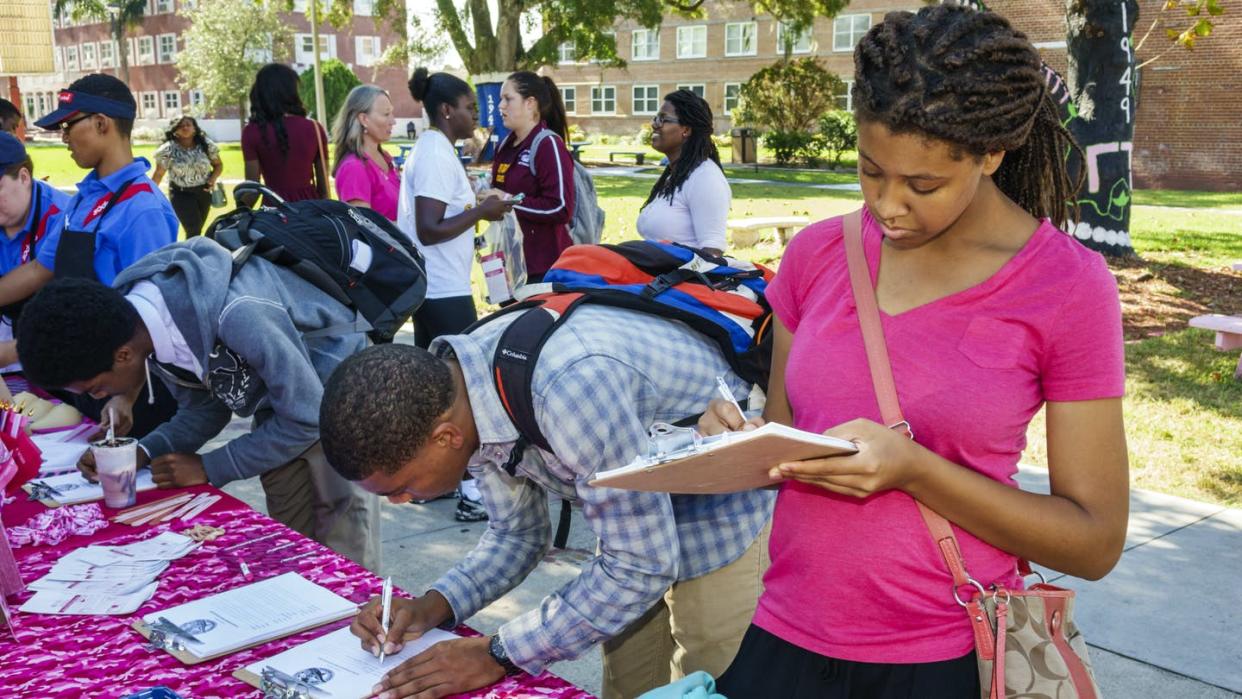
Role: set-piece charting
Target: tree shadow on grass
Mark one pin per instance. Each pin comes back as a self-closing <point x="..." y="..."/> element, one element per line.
<point x="1184" y="365"/>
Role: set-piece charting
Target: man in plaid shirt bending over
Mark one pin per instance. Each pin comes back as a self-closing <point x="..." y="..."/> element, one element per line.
<point x="677" y="577"/>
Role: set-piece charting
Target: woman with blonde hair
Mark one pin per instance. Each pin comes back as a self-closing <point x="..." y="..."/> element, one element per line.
<point x="365" y="174"/>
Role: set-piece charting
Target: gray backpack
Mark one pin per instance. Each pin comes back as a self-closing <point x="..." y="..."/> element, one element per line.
<point x="587" y="224"/>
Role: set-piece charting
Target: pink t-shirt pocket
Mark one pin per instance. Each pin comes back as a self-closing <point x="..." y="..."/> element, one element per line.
<point x="992" y="343"/>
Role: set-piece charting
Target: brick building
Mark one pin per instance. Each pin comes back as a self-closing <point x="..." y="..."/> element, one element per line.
<point x="1188" y="128"/>
<point x="88" y="47"/>
<point x="712" y="56"/>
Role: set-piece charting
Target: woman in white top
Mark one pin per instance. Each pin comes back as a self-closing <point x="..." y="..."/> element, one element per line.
<point x="689" y="204"/>
<point x="437" y="207"/>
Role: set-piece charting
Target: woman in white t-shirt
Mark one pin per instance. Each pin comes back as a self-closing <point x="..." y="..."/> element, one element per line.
<point x="689" y="204"/>
<point x="437" y="207"/>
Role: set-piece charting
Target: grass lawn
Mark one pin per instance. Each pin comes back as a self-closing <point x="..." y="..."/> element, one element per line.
<point x="1208" y="238"/>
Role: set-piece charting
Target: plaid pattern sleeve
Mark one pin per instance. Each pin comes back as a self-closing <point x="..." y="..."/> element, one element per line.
<point x="596" y="403"/>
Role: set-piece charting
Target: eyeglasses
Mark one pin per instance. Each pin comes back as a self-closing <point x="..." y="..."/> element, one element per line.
<point x="660" y="120"/>
<point x="66" y="125"/>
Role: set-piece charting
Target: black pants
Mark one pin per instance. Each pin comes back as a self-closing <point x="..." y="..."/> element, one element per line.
<point x="447" y="316"/>
<point x="767" y="666"/>
<point x="191" y="206"/>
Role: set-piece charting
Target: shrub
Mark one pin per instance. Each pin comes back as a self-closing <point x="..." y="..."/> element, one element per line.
<point x="338" y="80"/>
<point x="838" y="133"/>
<point x="788" y="96"/>
<point x="796" y="145"/>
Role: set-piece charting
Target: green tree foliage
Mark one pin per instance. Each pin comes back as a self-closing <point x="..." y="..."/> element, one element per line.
<point x="838" y="133"/>
<point x="226" y="44"/>
<point x="788" y="95"/>
<point x="489" y="44"/>
<point x="338" y="80"/>
<point x="121" y="16"/>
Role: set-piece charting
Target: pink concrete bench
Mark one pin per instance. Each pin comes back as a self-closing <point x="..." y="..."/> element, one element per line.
<point x="1228" y="331"/>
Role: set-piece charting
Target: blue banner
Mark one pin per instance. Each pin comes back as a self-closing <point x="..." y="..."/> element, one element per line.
<point x="489" y="116"/>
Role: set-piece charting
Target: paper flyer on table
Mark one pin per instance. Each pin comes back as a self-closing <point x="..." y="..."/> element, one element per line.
<point x="337" y="665"/>
<point x="75" y="489"/>
<point x="69" y="602"/>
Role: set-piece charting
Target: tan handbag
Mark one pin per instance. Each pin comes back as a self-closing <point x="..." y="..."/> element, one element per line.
<point x="1026" y="641"/>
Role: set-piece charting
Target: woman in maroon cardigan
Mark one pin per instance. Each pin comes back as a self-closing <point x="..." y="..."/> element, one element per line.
<point x="530" y="104"/>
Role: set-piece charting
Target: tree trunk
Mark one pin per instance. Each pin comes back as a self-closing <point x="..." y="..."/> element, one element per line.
<point x="1099" y="109"/>
<point x="118" y="33"/>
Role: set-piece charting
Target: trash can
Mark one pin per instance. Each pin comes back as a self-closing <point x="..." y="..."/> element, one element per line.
<point x="744" y="150"/>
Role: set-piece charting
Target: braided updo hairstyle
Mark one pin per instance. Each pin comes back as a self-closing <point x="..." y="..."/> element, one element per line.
<point x="694" y="112"/>
<point x="971" y="79"/>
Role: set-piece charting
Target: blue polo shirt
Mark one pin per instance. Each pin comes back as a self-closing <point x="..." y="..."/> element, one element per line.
<point x="142" y="220"/>
<point x="47" y="209"/>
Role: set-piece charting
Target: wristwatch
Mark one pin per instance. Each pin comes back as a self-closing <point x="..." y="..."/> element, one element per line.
<point x="496" y="649"/>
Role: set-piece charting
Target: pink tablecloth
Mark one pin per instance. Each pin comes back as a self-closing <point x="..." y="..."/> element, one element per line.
<point x="101" y="656"/>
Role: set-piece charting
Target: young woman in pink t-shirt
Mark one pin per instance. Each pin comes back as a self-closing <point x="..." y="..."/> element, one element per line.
<point x="989" y="313"/>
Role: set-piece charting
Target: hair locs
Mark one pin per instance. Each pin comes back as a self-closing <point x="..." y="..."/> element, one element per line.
<point x="694" y="113"/>
<point x="970" y="79"/>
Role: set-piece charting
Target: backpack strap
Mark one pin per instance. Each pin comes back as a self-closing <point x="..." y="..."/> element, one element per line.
<point x="543" y="135"/>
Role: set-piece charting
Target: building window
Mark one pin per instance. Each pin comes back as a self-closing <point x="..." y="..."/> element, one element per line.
<point x="150" y="105"/>
<point x="71" y="58"/>
<point x="172" y="102"/>
<point x="697" y="88"/>
<point x="740" y="38"/>
<point x="801" y="41"/>
<point x="146" y="50"/>
<point x="567" y="52"/>
<point x="732" y="92"/>
<point x="163" y="7"/>
<point x="604" y="99"/>
<point x="646" y="99"/>
<point x="88" y="56"/>
<point x="299" y="6"/>
<point x="845" y="100"/>
<point x="569" y="96"/>
<point x="692" y="41"/>
<point x="196" y="98"/>
<point x="167" y="48"/>
<point x="847" y="30"/>
<point x="645" y="45"/>
<point x="305" y="52"/>
<point x="107" y="54"/>
<point x="364" y="8"/>
<point x="367" y="50"/>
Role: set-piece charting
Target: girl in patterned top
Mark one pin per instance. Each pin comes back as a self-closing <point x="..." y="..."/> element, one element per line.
<point x="192" y="162"/>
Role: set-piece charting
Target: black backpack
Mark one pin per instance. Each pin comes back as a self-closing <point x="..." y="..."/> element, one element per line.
<point x="352" y="254"/>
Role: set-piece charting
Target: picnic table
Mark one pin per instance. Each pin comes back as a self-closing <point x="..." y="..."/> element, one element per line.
<point x="575" y="147"/>
<point x="1228" y="331"/>
<point x="639" y="156"/>
<point x="80" y="656"/>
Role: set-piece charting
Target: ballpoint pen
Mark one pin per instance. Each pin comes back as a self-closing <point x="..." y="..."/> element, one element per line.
<point x="385" y="612"/>
<point x="727" y="394"/>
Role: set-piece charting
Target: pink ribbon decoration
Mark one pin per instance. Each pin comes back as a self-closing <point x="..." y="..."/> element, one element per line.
<point x="54" y="526"/>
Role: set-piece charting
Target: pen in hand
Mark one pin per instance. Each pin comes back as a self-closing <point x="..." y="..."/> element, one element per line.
<point x="727" y="394"/>
<point x="385" y="614"/>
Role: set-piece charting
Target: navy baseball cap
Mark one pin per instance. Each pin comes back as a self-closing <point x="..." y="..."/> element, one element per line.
<point x="12" y="151"/>
<point x="98" y="93"/>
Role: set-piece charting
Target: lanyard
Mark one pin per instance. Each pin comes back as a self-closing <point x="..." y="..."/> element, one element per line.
<point x="34" y="236"/>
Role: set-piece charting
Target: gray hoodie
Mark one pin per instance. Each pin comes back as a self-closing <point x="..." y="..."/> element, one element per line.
<point x="260" y="338"/>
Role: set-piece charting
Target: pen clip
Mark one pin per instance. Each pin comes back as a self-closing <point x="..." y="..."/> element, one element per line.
<point x="279" y="685"/>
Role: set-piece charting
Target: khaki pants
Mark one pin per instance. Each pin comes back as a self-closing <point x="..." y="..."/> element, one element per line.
<point x="309" y="497"/>
<point x="697" y="625"/>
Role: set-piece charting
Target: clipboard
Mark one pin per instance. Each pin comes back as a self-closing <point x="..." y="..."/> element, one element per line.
<point x="278" y="684"/>
<point x="679" y="461"/>
<point x="188" y="658"/>
<point x="29" y="487"/>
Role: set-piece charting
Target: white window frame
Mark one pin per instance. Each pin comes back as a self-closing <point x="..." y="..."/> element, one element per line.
<point x="300" y="6"/>
<point x="364" y="8"/>
<point x="196" y="99"/>
<point x="163" y="7"/>
<point x="306" y="56"/>
<point x="650" y="50"/>
<point x="569" y="97"/>
<point x="701" y="92"/>
<point x="161" y="55"/>
<point x="146" y="50"/>
<point x="111" y="60"/>
<point x="566" y="53"/>
<point x="71" y="59"/>
<point x="689" y="43"/>
<point x="150" y="103"/>
<point x="88" y="55"/>
<point x="598" y="97"/>
<point x="845" y="101"/>
<point x="133" y="51"/>
<point x="739" y="31"/>
<point x="372" y="52"/>
<point x="847" y="27"/>
<point x="650" y="101"/>
<point x="724" y="104"/>
<point x="808" y="36"/>
<point x="170" y="109"/>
